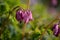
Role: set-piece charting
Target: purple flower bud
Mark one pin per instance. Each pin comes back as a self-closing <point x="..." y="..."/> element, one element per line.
<point x="19" y="14"/>
<point x="55" y="30"/>
<point x="24" y="15"/>
<point x="27" y="16"/>
<point x="58" y="32"/>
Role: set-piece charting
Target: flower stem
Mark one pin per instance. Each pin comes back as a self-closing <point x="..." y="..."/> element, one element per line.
<point x="28" y="4"/>
<point x="23" y="31"/>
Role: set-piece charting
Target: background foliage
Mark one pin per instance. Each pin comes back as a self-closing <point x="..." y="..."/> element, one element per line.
<point x="11" y="29"/>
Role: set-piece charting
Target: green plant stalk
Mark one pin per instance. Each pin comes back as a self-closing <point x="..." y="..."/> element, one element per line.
<point x="28" y="4"/>
<point x="23" y="31"/>
<point x="24" y="27"/>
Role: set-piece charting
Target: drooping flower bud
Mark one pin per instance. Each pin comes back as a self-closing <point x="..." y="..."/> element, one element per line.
<point x="19" y="14"/>
<point x="24" y="15"/>
<point x="27" y="16"/>
<point x="55" y="30"/>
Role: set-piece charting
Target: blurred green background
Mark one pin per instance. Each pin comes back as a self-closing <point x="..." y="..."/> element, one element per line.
<point x="11" y="29"/>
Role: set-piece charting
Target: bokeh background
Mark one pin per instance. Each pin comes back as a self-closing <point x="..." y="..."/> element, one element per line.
<point x="43" y="14"/>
